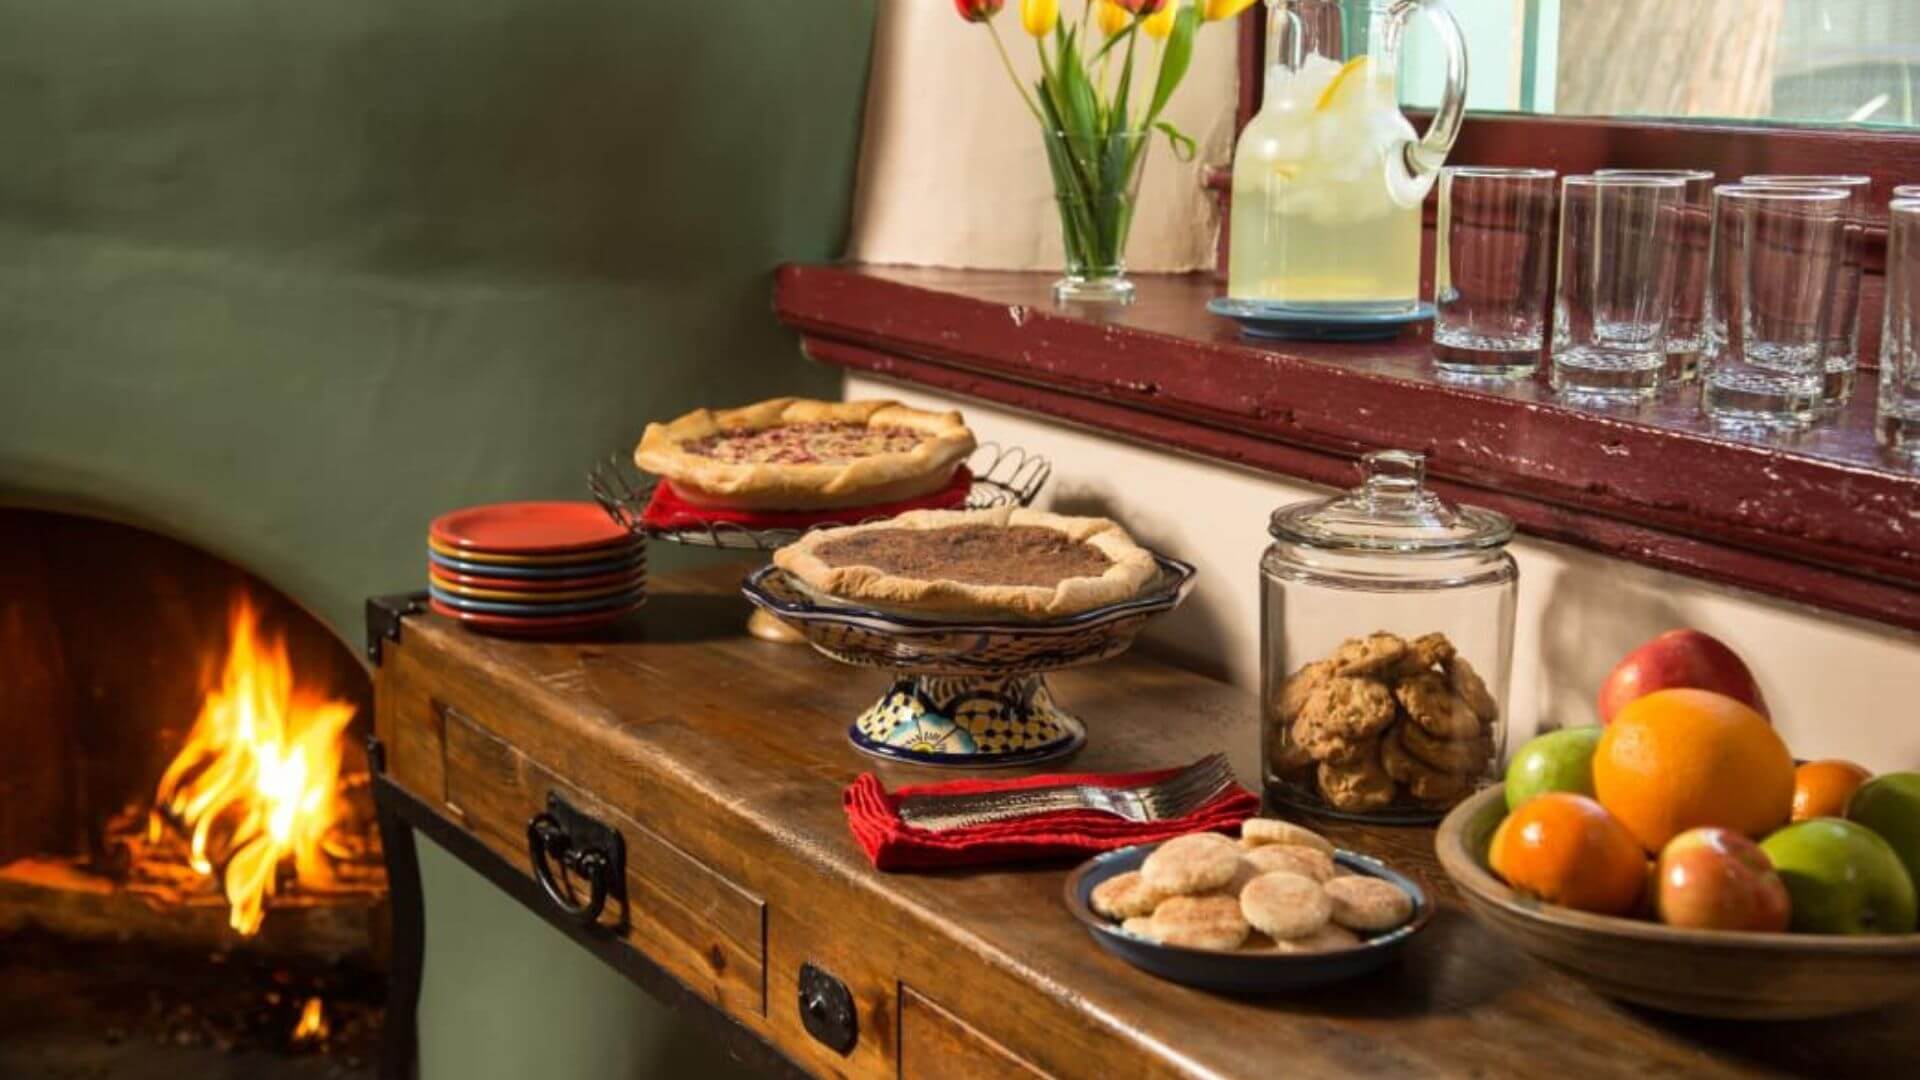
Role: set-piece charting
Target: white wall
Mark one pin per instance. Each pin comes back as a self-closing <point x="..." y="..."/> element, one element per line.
<point x="1837" y="687"/>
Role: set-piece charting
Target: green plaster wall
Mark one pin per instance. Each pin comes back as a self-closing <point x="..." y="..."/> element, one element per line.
<point x="285" y="279"/>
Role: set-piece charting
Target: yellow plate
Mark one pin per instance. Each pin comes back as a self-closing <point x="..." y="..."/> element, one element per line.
<point x="605" y="554"/>
<point x="533" y="597"/>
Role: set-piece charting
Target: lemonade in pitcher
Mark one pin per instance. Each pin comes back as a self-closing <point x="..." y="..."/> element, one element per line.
<point x="1329" y="177"/>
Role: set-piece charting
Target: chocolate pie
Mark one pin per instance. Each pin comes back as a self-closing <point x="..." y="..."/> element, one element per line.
<point x="1002" y="562"/>
<point x="794" y="454"/>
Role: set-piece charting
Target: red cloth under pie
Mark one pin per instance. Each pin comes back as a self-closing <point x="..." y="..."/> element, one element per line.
<point x="894" y="845"/>
<point x="667" y="510"/>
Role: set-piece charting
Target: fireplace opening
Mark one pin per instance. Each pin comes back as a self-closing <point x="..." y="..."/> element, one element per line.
<point x="189" y="857"/>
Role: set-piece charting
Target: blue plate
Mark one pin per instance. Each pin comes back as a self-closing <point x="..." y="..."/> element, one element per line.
<point x="1269" y="320"/>
<point x="538" y="573"/>
<point x="535" y="611"/>
<point x="1242" y="972"/>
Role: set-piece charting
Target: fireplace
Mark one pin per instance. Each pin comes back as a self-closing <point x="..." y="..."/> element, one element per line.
<point x="188" y="850"/>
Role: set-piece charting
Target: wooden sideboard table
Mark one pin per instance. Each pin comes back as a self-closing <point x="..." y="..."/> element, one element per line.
<point x="713" y="764"/>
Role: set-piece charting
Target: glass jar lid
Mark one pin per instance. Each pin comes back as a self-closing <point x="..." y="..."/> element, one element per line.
<point x="1390" y="512"/>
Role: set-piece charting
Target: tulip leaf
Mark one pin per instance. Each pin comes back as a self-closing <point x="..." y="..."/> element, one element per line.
<point x="1174" y="62"/>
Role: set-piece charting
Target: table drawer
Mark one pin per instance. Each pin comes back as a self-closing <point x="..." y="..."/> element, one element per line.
<point x="707" y="931"/>
<point x="937" y="1045"/>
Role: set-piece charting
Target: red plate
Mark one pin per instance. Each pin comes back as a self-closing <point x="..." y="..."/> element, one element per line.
<point x="534" y="585"/>
<point x="521" y="626"/>
<point x="528" y="528"/>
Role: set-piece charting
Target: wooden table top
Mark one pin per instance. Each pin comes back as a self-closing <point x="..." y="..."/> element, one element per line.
<point x="729" y="726"/>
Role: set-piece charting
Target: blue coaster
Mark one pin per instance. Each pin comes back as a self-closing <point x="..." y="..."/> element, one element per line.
<point x="1269" y="320"/>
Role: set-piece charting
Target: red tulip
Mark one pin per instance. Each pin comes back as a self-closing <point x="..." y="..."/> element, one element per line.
<point x="978" y="10"/>
<point x="1142" y="8"/>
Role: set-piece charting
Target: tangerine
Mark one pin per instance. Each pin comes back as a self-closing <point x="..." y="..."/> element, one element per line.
<point x="1566" y="849"/>
<point x="1679" y="759"/>
<point x="1823" y="788"/>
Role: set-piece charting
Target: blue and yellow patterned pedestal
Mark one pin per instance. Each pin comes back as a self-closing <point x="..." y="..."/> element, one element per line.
<point x="970" y="721"/>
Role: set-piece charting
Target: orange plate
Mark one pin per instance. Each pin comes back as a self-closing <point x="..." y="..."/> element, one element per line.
<point x="527" y="528"/>
<point x="446" y="579"/>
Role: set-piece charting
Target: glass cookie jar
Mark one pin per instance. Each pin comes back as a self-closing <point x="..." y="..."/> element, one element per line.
<point x="1387" y="642"/>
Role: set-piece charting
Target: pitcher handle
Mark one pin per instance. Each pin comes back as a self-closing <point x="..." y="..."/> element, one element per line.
<point x="1412" y="171"/>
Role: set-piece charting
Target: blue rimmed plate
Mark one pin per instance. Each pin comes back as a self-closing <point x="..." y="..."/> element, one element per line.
<point x="1243" y="972"/>
<point x="1269" y="320"/>
<point x="534" y="611"/>
<point x="538" y="573"/>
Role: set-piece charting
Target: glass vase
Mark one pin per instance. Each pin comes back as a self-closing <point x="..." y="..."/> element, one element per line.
<point x="1095" y="182"/>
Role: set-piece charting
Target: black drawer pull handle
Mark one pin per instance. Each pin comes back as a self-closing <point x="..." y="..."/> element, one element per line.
<point x="546" y="837"/>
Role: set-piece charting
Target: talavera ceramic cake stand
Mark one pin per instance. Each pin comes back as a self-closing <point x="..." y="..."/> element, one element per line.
<point x="969" y="695"/>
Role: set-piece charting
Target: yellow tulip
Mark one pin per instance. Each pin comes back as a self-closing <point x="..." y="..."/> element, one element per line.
<point x="1112" y="17"/>
<point x="1039" y="17"/>
<point x="1160" y="23"/>
<point x="1216" y="10"/>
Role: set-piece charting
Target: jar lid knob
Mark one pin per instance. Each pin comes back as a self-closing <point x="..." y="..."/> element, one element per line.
<point x="1394" y="474"/>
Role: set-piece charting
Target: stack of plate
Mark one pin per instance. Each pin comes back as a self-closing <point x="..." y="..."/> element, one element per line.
<point x="534" y="568"/>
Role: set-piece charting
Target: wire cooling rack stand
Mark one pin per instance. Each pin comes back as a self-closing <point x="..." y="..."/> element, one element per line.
<point x="1002" y="476"/>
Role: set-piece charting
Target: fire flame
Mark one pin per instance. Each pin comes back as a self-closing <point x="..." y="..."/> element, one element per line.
<point x="256" y="782"/>
<point x="312" y="1026"/>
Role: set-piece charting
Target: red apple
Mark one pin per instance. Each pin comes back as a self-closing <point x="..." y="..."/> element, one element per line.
<point x="1716" y="879"/>
<point x="1680" y="659"/>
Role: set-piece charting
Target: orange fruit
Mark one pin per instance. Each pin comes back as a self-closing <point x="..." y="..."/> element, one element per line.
<point x="1678" y="759"/>
<point x="1566" y="849"/>
<point x="1823" y="788"/>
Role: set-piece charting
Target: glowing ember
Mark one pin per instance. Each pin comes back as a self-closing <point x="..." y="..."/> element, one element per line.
<point x="256" y="783"/>
<point x="313" y="1023"/>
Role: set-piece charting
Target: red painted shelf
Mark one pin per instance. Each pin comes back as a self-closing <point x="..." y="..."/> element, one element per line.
<point x="1827" y="521"/>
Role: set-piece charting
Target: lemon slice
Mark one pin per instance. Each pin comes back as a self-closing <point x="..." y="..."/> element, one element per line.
<point x="1354" y="71"/>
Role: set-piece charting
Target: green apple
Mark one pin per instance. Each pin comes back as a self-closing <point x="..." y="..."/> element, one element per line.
<point x="1890" y="806"/>
<point x="1557" y="761"/>
<point x="1843" y="878"/>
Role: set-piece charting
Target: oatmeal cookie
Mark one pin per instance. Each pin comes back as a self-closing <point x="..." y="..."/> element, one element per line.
<point x="1283" y="905"/>
<point x="1124" y="896"/>
<point x="1362" y="785"/>
<point x="1424" y="653"/>
<point x="1202" y="922"/>
<point x="1324" y="745"/>
<point x="1424" y="782"/>
<point x="1370" y="655"/>
<point x="1286" y="757"/>
<point x="1368" y="904"/>
<point x="1471" y="689"/>
<point x="1435" y="707"/>
<point x="1348" y="708"/>
<point x="1140" y="926"/>
<point x="1299" y="687"/>
<point x="1459" y="756"/>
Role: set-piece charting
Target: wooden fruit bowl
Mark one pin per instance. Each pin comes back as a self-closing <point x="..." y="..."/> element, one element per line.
<point x="1722" y="973"/>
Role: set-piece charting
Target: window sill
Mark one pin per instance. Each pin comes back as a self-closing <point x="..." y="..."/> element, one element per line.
<point x="1828" y="521"/>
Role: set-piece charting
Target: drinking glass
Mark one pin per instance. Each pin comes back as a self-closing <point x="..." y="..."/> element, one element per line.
<point x="1615" y="289"/>
<point x="1490" y="271"/>
<point x="1898" y="410"/>
<point x="1843" y="320"/>
<point x="1777" y="253"/>
<point x="1906" y="191"/>
<point x="1687" y="322"/>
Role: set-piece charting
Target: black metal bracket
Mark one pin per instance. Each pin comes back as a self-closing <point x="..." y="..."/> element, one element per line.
<point x="383" y="618"/>
<point x="826" y="1010"/>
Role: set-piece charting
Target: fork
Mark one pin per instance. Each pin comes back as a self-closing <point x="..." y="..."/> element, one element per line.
<point x="1176" y="796"/>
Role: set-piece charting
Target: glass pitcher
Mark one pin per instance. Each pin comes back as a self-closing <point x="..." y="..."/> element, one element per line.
<point x="1329" y="177"/>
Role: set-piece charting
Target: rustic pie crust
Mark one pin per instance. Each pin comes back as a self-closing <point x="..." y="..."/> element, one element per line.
<point x="1001" y="562"/>
<point x="796" y="454"/>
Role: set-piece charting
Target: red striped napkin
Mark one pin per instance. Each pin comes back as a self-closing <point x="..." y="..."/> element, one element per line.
<point x="892" y="844"/>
